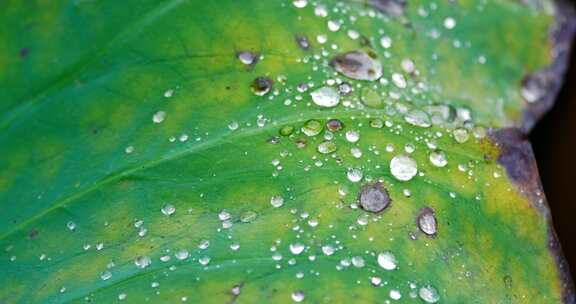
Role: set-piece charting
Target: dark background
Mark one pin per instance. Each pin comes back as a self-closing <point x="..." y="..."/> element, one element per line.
<point x="554" y="144"/>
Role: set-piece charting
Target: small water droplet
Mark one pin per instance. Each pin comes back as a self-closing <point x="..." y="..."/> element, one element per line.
<point x="300" y="3"/>
<point x="399" y="80"/>
<point x="205" y="260"/>
<point x="418" y="118"/>
<point x="371" y="98"/>
<point x="352" y="136"/>
<point x="122" y="296"/>
<point x="449" y="23"/>
<point x="277" y="201"/>
<point x="182" y="254"/>
<point x="427" y="222"/>
<point x="386" y="42"/>
<point x="106" y="275"/>
<point x="328" y="250"/>
<point x="261" y="85"/>
<point x="159" y="117"/>
<point x="233" y="125"/>
<point x="71" y="226"/>
<point x="298" y="296"/>
<point x="358" y="261"/>
<point x="461" y="135"/>
<point x="247" y="58"/>
<point x="168" y="209"/>
<point x="395" y="294"/>
<point x="248" y="216"/>
<point x="327" y="147"/>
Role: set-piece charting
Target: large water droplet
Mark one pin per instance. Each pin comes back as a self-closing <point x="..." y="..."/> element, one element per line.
<point x="429" y="294"/>
<point x="358" y="65"/>
<point x="277" y="201"/>
<point x="387" y="260"/>
<point x="403" y="168"/>
<point x="427" y="222"/>
<point x="326" y="97"/>
<point x="438" y="158"/>
<point x="312" y="127"/>
<point x="142" y="261"/>
<point x="298" y="296"/>
<point x="418" y="118"/>
<point x="297" y="248"/>
<point x="326" y="147"/>
<point x="374" y="198"/>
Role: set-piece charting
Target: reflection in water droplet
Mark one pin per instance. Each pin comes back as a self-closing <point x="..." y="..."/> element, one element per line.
<point x="374" y="198"/>
<point x="261" y="85"/>
<point x="354" y="175"/>
<point x="352" y="136"/>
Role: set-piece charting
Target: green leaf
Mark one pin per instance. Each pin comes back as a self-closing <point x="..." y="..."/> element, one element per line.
<point x="259" y="151"/>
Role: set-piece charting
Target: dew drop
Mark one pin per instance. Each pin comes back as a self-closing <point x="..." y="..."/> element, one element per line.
<point x="277" y="201"/>
<point x="429" y="294"/>
<point x="371" y="98"/>
<point x="247" y="58"/>
<point x="352" y="136"/>
<point x="297" y="248"/>
<point x="182" y="254"/>
<point x="328" y="250"/>
<point x="312" y="127"/>
<point x="403" y="167"/>
<point x="325" y="97"/>
<point x="106" y="275"/>
<point x="168" y="209"/>
<point x="205" y="260"/>
<point x="374" y="198"/>
<point x="142" y="261"/>
<point x="386" y="42"/>
<point x="334" y="125"/>
<point x="300" y="3"/>
<point x="326" y="147"/>
<point x="358" y="65"/>
<point x="418" y="118"/>
<point x="298" y="296"/>
<point x="438" y="158"/>
<point x="427" y="222"/>
<point x="159" y="117"/>
<point x="387" y="260"/>
<point x="261" y="85"/>
<point x="354" y="175"/>
<point x="461" y="135"/>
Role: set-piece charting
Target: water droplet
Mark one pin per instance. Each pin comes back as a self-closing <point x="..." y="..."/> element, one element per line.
<point x="354" y="175"/>
<point x="429" y="294"/>
<point x="303" y="42"/>
<point x="418" y="118"/>
<point x="248" y="216"/>
<point x="376" y="281"/>
<point x="300" y="3"/>
<point x="182" y="254"/>
<point x="159" y="117"/>
<point x="358" y="65"/>
<point x="356" y="152"/>
<point x="328" y="250"/>
<point x="106" y="275"/>
<point x="122" y="296"/>
<point x="399" y="80"/>
<point x="441" y="114"/>
<point x="205" y="260"/>
<point x="142" y="261"/>
<point x="325" y="97"/>
<point x="334" y="125"/>
<point x="403" y="167"/>
<point x="371" y="98"/>
<point x="387" y="260"/>
<point x="286" y="130"/>
<point x="408" y="66"/>
<point x="374" y="198"/>
<point x="297" y="248"/>
<point x="204" y="244"/>
<point x="427" y="221"/>
<point x="345" y="88"/>
<point x="71" y="226"/>
<point x="395" y="294"/>
<point x="224" y="215"/>
<point x="327" y="147"/>
<point x="233" y="125"/>
<point x="129" y="149"/>
<point x="461" y="135"/>
<point x="334" y="25"/>
<point x="449" y="23"/>
<point x="358" y="261"/>
<point x="352" y="136"/>
<point x="312" y="127"/>
<point x="168" y="209"/>
<point x="277" y="201"/>
<point x="298" y="296"/>
<point x="247" y="58"/>
<point x="438" y="158"/>
<point x="386" y="42"/>
<point x="261" y="85"/>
